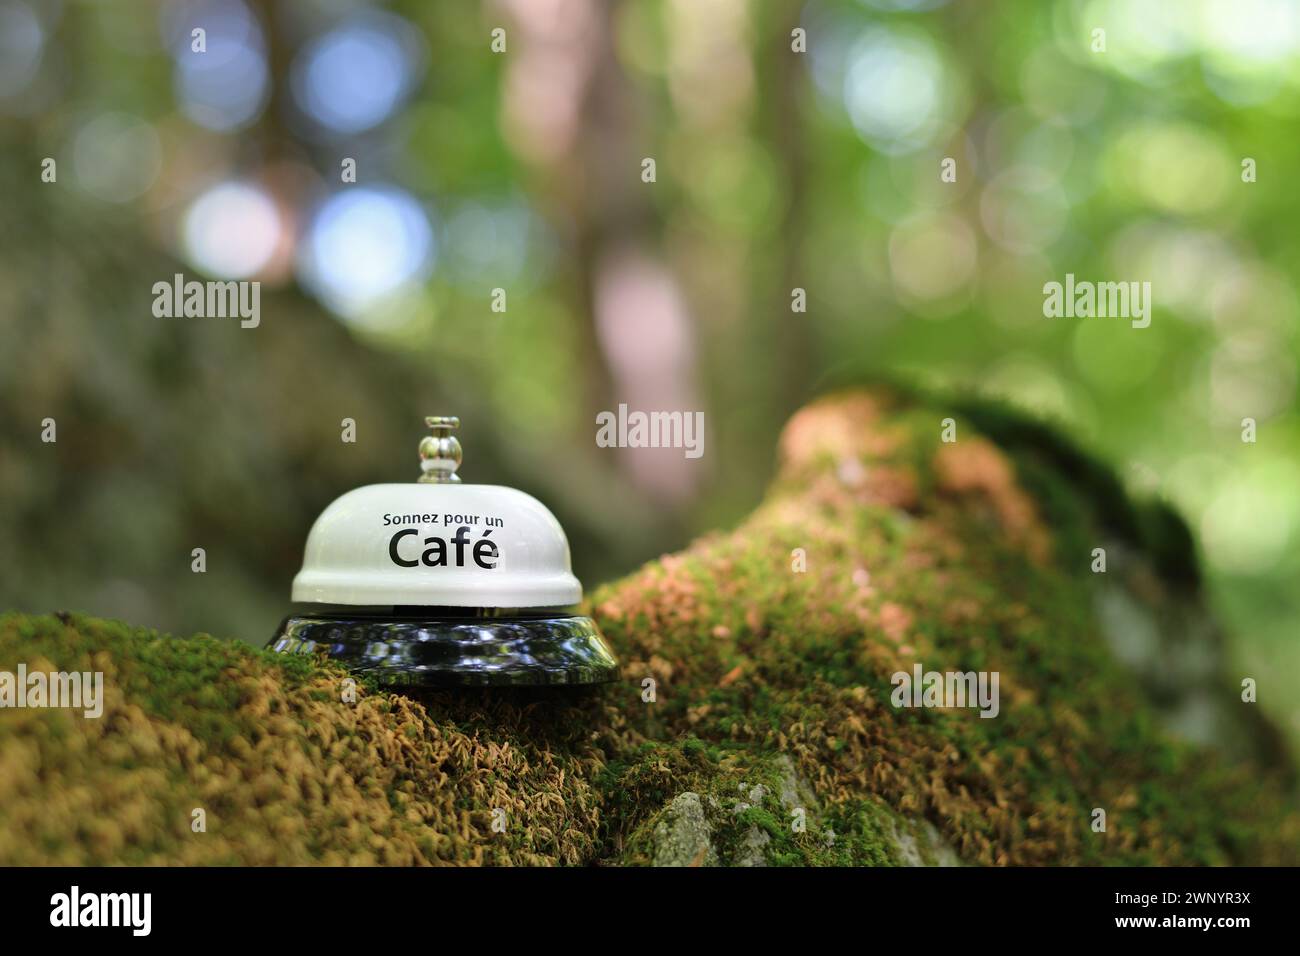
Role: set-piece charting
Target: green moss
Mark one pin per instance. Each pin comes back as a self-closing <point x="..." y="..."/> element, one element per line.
<point x="772" y="698"/>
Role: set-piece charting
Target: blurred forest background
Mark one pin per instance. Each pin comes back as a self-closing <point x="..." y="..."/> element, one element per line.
<point x="522" y="171"/>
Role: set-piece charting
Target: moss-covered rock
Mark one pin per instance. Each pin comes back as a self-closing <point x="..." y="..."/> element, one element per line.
<point x="765" y="734"/>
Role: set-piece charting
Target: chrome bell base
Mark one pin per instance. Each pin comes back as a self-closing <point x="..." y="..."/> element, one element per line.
<point x="464" y="648"/>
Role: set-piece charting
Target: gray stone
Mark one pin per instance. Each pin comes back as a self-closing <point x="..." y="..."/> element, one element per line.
<point x="914" y="849"/>
<point x="752" y="850"/>
<point x="682" y="835"/>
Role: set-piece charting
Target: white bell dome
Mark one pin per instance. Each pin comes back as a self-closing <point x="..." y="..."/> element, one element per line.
<point x="436" y="542"/>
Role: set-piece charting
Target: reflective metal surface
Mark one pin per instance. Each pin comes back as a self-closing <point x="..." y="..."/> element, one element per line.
<point x="455" y="651"/>
<point x="440" y="453"/>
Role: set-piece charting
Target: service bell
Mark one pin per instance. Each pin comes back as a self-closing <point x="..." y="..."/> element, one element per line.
<point x="437" y="583"/>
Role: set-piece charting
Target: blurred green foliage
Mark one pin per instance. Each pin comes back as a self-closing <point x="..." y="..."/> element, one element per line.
<point x="776" y="170"/>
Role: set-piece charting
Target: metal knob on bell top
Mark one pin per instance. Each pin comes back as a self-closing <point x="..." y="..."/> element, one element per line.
<point x="440" y="453"/>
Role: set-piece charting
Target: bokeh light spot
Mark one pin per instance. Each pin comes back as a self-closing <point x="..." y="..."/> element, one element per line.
<point x="356" y="75"/>
<point x="1024" y="209"/>
<point x="21" y="44"/>
<point x="226" y="86"/>
<point x="894" y="89"/>
<point x="116" y="157"/>
<point x="932" y="259"/>
<point x="232" y="230"/>
<point x="1247" y="528"/>
<point x="364" y="245"/>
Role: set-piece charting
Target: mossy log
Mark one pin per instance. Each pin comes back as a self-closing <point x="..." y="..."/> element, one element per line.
<point x="753" y="723"/>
